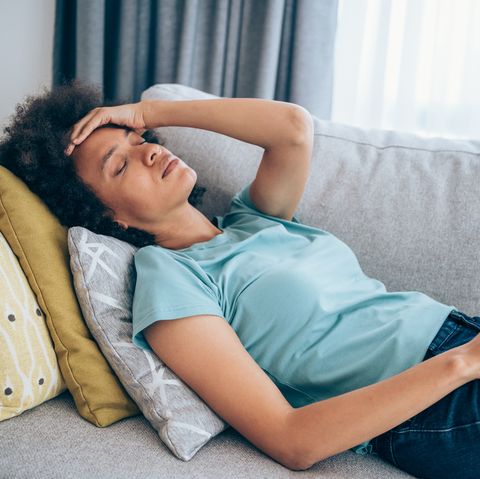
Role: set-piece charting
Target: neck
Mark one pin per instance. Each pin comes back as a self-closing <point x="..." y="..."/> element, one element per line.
<point x="194" y="227"/>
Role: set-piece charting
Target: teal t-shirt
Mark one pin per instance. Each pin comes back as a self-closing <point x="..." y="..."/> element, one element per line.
<point x="298" y="300"/>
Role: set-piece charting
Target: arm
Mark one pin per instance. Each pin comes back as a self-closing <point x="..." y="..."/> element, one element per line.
<point x="265" y="123"/>
<point x="284" y="130"/>
<point x="331" y="426"/>
<point x="261" y="122"/>
<point x="205" y="352"/>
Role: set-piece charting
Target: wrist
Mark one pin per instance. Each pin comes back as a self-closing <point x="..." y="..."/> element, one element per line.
<point x="461" y="363"/>
<point x="152" y="113"/>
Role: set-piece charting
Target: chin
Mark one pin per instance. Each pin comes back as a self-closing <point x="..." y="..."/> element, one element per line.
<point x="194" y="175"/>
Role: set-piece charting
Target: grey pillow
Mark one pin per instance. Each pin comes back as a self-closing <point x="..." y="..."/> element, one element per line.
<point x="104" y="280"/>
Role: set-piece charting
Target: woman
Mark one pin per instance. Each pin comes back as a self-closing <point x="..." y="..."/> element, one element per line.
<point x="270" y="321"/>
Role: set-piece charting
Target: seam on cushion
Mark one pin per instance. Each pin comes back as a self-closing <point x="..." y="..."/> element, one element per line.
<point x="395" y="146"/>
<point x="20" y="245"/>
<point x="173" y="90"/>
<point x="75" y="379"/>
<point x="47" y="311"/>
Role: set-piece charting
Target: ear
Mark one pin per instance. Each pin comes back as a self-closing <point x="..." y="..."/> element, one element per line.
<point x="121" y="224"/>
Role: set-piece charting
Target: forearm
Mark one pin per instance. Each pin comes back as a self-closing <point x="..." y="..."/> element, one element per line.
<point x="331" y="426"/>
<point x="257" y="121"/>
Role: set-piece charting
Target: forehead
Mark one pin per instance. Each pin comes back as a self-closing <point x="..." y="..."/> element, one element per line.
<point x="98" y="142"/>
<point x="103" y="135"/>
<point x="88" y="155"/>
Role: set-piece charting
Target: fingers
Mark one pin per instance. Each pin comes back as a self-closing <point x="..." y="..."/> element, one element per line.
<point x="84" y="127"/>
<point x="69" y="149"/>
<point x="128" y="115"/>
<point x="81" y="123"/>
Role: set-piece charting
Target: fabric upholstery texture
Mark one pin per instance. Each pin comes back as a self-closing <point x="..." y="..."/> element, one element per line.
<point x="39" y="241"/>
<point x="130" y="449"/>
<point x="29" y="372"/>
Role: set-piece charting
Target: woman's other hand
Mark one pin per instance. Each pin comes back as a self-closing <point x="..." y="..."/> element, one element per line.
<point x="129" y="115"/>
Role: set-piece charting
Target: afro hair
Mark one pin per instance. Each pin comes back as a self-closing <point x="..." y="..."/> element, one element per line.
<point x="33" y="148"/>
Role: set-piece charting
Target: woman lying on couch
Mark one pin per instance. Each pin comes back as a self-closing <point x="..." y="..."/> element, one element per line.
<point x="256" y="289"/>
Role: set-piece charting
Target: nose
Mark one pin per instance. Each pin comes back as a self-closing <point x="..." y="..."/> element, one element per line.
<point x="151" y="154"/>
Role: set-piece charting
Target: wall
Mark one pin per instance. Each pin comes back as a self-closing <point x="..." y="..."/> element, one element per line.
<point x="26" y="51"/>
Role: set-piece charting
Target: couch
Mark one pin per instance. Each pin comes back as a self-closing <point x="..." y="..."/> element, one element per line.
<point x="408" y="207"/>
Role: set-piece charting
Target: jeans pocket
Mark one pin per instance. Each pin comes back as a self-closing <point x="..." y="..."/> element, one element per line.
<point x="454" y="333"/>
<point x="448" y="330"/>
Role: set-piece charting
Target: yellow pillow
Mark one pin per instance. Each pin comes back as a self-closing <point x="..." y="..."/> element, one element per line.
<point x="40" y="243"/>
<point x="29" y="374"/>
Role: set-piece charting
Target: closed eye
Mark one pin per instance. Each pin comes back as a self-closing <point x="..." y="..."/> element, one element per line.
<point x="122" y="168"/>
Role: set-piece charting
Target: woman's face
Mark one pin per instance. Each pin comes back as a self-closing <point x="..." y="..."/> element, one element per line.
<point x="125" y="173"/>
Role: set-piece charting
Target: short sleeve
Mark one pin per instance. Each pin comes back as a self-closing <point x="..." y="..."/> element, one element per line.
<point x="169" y="286"/>
<point x="242" y="203"/>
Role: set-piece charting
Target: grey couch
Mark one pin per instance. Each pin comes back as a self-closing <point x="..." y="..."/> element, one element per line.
<point x="407" y="206"/>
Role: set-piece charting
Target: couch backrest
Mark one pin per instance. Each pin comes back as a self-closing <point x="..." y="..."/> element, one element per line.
<point x="408" y="206"/>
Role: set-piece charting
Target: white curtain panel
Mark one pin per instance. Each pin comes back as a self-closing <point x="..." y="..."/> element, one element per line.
<point x="409" y="65"/>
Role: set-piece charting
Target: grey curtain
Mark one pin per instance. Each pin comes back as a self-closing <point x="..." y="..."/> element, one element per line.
<point x="273" y="49"/>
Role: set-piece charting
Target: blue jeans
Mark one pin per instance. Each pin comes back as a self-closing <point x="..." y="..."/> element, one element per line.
<point x="443" y="441"/>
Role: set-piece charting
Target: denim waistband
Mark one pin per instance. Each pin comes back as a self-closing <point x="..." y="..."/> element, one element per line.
<point x="450" y="325"/>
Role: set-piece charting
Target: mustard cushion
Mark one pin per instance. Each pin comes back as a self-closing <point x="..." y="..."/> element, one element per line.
<point x="40" y="243"/>
<point x="29" y="374"/>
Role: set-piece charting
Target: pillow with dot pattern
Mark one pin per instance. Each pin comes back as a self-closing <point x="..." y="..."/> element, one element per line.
<point x="29" y="374"/>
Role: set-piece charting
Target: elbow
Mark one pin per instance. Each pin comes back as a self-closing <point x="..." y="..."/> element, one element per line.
<point x="302" y="123"/>
<point x="295" y="452"/>
<point x="297" y="465"/>
<point x="301" y="453"/>
<point x="292" y="461"/>
<point x="297" y="462"/>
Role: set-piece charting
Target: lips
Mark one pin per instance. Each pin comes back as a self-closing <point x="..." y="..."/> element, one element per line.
<point x="165" y="164"/>
<point x="172" y="162"/>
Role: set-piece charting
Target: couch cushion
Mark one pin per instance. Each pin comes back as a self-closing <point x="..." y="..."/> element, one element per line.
<point x="407" y="205"/>
<point x="104" y="278"/>
<point x="40" y="243"/>
<point x="29" y="374"/>
<point x="130" y="449"/>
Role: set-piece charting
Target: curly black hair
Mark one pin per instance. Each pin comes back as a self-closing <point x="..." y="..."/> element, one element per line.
<point x="33" y="149"/>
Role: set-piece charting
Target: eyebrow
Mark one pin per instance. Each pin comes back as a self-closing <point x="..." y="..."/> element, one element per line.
<point x="111" y="151"/>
